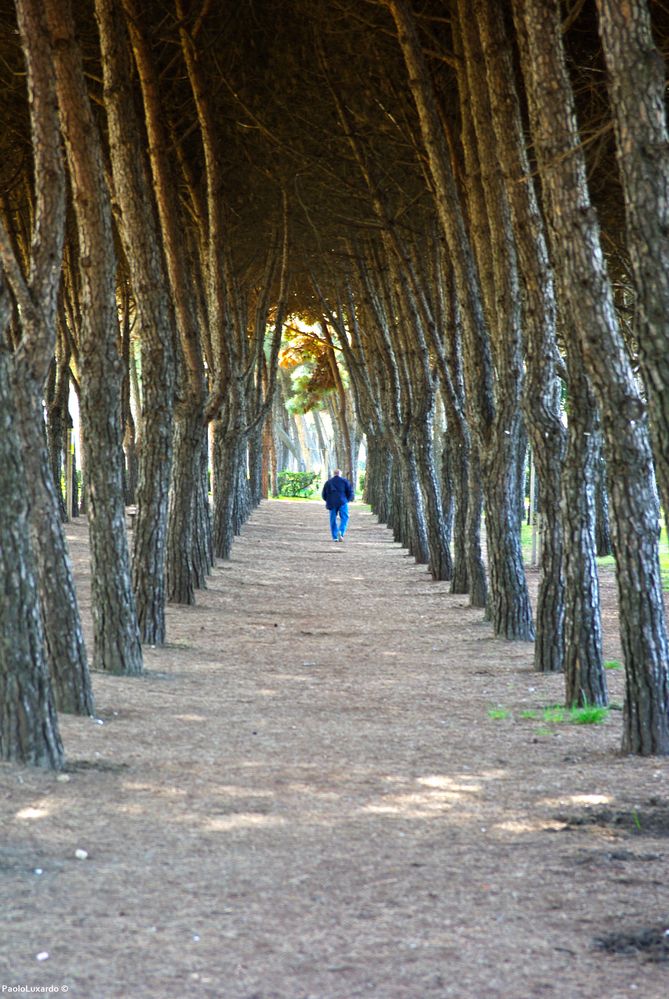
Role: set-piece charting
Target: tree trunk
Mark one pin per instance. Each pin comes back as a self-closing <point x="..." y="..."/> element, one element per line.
<point x="65" y="647"/>
<point x="585" y="678"/>
<point x="28" y="722"/>
<point x="227" y="451"/>
<point x="441" y="564"/>
<point x="57" y="424"/>
<point x="117" y="647"/>
<point x="478" y="587"/>
<point x="203" y="545"/>
<point x="32" y="360"/>
<point x="637" y="83"/>
<point x="256" y="453"/>
<point x="242" y="506"/>
<point x="602" y="527"/>
<point x="180" y="570"/>
<point x="297" y="421"/>
<point x="455" y="467"/>
<point x="510" y="610"/>
<point x="190" y="426"/>
<point x="495" y="245"/>
<point x="478" y="370"/>
<point x="457" y="438"/>
<point x="322" y="441"/>
<point x="142" y="242"/>
<point x="129" y="430"/>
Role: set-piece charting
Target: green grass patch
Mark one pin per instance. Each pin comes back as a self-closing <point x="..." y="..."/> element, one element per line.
<point x="497" y="714"/>
<point x="589" y="714"/>
<point x="555" y="714"/>
<point x="612" y="664"/>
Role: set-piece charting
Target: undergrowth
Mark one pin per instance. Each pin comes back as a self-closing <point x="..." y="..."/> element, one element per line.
<point x="555" y="714"/>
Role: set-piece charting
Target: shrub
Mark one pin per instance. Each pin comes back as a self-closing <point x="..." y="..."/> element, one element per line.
<point x="297" y="483"/>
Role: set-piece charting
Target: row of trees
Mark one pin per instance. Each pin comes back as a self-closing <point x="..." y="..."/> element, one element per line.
<point x="436" y="194"/>
<point x="206" y="354"/>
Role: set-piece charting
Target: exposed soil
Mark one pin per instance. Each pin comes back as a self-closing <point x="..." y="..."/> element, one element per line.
<point x="306" y="797"/>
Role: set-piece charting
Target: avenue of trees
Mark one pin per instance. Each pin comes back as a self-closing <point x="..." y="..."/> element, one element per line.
<point x="465" y="202"/>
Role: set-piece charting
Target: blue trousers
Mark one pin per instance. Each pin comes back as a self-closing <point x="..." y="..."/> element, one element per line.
<point x="339" y="528"/>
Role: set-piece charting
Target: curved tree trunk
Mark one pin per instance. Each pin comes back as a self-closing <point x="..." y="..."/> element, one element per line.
<point x="117" y="647"/>
<point x="478" y="370"/>
<point x="33" y="357"/>
<point x="495" y="244"/>
<point x="140" y="234"/>
<point x="190" y="427"/>
<point x="541" y="396"/>
<point x="637" y="83"/>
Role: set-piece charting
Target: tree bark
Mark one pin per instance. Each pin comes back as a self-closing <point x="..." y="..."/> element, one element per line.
<point x="441" y="563"/>
<point x="141" y="237"/>
<point x="511" y="608"/>
<point x="228" y="456"/>
<point x="58" y="422"/>
<point x="203" y="545"/>
<point x="585" y="677"/>
<point x="495" y="245"/>
<point x="602" y="527"/>
<point x="117" y="647"/>
<point x="64" y="638"/>
<point x="181" y="560"/>
<point x="38" y="300"/>
<point x="637" y="84"/>
<point x="478" y="586"/>
<point x="541" y="395"/>
<point x="186" y="467"/>
<point x="28" y="722"/>
<point x="467" y="559"/>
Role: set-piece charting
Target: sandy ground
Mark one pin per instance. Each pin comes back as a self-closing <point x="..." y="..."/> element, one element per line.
<point x="306" y="797"/>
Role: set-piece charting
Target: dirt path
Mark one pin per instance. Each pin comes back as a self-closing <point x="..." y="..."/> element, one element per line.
<point x="306" y="798"/>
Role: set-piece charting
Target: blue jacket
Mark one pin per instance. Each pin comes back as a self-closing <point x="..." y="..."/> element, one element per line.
<point x="337" y="491"/>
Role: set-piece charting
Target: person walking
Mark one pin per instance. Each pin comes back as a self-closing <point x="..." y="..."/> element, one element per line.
<point x="338" y="493"/>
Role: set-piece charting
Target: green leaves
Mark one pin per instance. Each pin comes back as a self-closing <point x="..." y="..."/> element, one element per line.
<point x="297" y="483"/>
